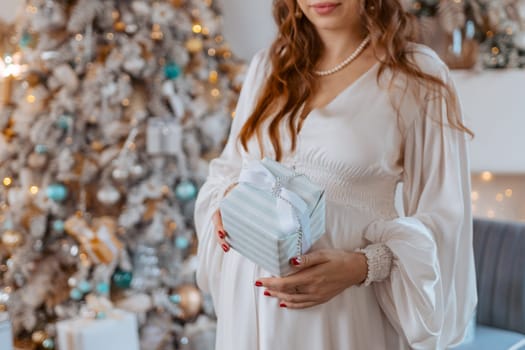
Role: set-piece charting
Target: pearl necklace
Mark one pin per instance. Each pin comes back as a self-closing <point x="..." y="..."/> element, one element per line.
<point x="347" y="61"/>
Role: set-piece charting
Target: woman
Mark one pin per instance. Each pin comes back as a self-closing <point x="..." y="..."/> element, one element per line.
<point x="346" y="96"/>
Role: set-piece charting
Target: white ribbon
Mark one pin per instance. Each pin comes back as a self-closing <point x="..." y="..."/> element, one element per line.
<point x="290" y="206"/>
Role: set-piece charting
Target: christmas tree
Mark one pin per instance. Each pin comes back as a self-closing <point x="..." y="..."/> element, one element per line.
<point x="110" y="113"/>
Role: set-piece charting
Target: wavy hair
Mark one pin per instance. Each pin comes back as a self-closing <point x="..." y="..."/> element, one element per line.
<point x="296" y="51"/>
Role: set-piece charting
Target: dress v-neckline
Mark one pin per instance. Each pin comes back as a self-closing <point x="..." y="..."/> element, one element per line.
<point x="346" y="90"/>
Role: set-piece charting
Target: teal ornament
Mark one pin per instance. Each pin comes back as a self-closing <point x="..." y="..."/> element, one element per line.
<point x="41" y="149"/>
<point x="100" y="315"/>
<point x="182" y="242"/>
<point x="48" y="343"/>
<point x="75" y="294"/>
<point x="172" y="70"/>
<point x="56" y="192"/>
<point x="58" y="225"/>
<point x="122" y="279"/>
<point x="186" y="190"/>
<point x="84" y="287"/>
<point x="103" y="288"/>
<point x="175" y="298"/>
<point x="63" y="122"/>
<point x="25" y="40"/>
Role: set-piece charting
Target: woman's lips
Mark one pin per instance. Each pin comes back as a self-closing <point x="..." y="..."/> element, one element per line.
<point x="325" y="8"/>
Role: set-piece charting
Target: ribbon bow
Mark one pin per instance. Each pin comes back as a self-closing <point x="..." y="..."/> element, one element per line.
<point x="292" y="210"/>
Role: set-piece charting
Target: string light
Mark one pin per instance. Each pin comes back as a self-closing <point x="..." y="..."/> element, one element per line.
<point x="7" y="181"/>
<point x="197" y="28"/>
<point x="30" y="98"/>
<point x="499" y="197"/>
<point x="215" y="92"/>
<point x="486" y="176"/>
<point x="491" y="214"/>
<point x="33" y="189"/>
<point x="508" y="192"/>
<point x="474" y="195"/>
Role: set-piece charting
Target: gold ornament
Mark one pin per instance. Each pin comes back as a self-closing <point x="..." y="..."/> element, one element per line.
<point x="97" y="146"/>
<point x="190" y="300"/>
<point x="12" y="239"/>
<point x="120" y="26"/>
<point x="194" y="45"/>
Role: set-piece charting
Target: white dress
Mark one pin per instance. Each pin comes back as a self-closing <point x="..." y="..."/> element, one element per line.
<point x="359" y="151"/>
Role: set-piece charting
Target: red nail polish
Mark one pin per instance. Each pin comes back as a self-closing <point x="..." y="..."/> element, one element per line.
<point x="282" y="305"/>
<point x="225" y="247"/>
<point x="295" y="261"/>
<point x="222" y="234"/>
<point x="258" y="284"/>
<point x="267" y="293"/>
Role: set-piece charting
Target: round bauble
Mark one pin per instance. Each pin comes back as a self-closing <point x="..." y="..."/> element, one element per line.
<point x="108" y="195"/>
<point x="186" y="190"/>
<point x="56" y="192"/>
<point x="36" y="160"/>
<point x="12" y="239"/>
<point x="194" y="45"/>
<point x="172" y="70"/>
<point x="120" y="174"/>
<point x="122" y="279"/>
<point x="189" y="298"/>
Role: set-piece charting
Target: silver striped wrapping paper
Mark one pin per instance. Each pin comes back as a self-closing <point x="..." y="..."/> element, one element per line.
<point x="249" y="216"/>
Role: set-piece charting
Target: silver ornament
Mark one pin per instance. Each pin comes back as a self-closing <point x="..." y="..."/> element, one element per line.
<point x="120" y="174"/>
<point x="108" y="195"/>
<point x="137" y="171"/>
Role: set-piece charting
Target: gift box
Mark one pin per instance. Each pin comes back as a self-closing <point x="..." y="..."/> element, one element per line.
<point x="163" y="136"/>
<point x="118" y="331"/>
<point x="273" y="214"/>
<point x="6" y="334"/>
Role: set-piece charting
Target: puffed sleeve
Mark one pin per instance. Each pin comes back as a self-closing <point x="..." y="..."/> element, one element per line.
<point x="430" y="293"/>
<point x="222" y="172"/>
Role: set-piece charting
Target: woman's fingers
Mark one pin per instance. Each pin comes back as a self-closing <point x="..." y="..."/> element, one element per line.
<point x="220" y="232"/>
<point x="291" y="298"/>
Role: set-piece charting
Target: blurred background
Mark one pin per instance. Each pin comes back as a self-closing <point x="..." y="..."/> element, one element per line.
<point x="109" y="114"/>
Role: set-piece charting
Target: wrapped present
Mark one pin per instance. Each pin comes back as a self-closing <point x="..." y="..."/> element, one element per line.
<point x="117" y="331"/>
<point x="99" y="241"/>
<point x="273" y="214"/>
<point x="6" y="333"/>
<point x="163" y="136"/>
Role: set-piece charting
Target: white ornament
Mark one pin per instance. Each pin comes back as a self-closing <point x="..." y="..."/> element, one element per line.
<point x="108" y="195"/>
<point x="120" y="174"/>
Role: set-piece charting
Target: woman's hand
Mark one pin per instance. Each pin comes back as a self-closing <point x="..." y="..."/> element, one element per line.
<point x="322" y="275"/>
<point x="219" y="228"/>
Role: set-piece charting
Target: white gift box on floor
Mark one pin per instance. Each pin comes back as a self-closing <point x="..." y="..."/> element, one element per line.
<point x="6" y="334"/>
<point x="273" y="214"/>
<point x="119" y="331"/>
